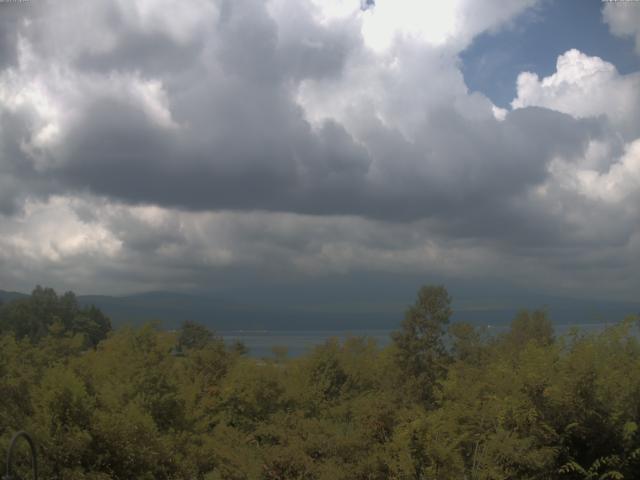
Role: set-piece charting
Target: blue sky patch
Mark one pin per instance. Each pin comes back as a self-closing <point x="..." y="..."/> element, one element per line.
<point x="535" y="40"/>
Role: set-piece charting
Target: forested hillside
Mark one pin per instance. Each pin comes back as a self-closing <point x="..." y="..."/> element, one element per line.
<point x="443" y="401"/>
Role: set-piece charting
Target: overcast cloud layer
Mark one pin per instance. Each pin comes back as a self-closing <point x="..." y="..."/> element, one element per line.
<point x="152" y="145"/>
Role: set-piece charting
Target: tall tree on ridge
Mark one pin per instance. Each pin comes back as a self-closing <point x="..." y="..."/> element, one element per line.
<point x="421" y="353"/>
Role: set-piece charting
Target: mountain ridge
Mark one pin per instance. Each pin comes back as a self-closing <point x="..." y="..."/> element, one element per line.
<point x="223" y="313"/>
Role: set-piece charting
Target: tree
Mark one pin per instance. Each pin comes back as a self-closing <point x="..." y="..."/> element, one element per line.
<point x="95" y="325"/>
<point x="194" y="335"/>
<point x="421" y="353"/>
<point x="44" y="312"/>
<point x="530" y="327"/>
<point x="466" y="342"/>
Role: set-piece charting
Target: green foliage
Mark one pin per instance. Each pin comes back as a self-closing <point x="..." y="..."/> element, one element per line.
<point x="194" y="335"/>
<point x="523" y="405"/>
<point x="530" y="327"/>
<point x="421" y="353"/>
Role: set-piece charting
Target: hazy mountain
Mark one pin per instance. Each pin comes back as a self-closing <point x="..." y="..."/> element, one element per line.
<point x="9" y="296"/>
<point x="301" y="308"/>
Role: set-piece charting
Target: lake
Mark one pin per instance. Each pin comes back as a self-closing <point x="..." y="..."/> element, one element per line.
<point x="299" y="342"/>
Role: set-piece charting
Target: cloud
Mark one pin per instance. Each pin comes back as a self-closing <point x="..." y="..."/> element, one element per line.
<point x="451" y="24"/>
<point x="94" y="245"/>
<point x="579" y="77"/>
<point x="243" y="125"/>
<point x="591" y="198"/>
<point x="158" y="146"/>
<point x="623" y="19"/>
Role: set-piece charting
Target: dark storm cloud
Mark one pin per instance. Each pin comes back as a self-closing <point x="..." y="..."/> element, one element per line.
<point x="11" y="16"/>
<point x="162" y="146"/>
<point x="132" y="160"/>
<point x="240" y="141"/>
<point x="19" y="178"/>
<point x="283" y="165"/>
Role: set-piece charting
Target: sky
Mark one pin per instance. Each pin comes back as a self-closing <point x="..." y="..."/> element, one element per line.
<point x="154" y="145"/>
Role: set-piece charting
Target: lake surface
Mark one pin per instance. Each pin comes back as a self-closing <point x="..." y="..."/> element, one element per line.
<point x="297" y="342"/>
<point x="300" y="342"/>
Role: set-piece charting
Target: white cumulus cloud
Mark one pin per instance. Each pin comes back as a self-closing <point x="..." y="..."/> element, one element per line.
<point x="585" y="86"/>
<point x="623" y="19"/>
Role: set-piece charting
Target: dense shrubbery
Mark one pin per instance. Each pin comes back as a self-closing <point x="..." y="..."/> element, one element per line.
<point x="148" y="404"/>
